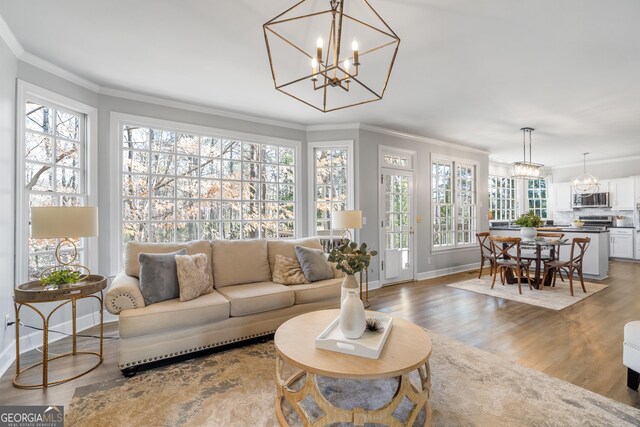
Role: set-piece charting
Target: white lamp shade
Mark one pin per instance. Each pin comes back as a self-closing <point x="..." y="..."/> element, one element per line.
<point x="345" y="220"/>
<point x="64" y="221"/>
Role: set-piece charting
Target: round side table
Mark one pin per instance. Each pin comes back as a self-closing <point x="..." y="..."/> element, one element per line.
<point x="407" y="349"/>
<point x="31" y="293"/>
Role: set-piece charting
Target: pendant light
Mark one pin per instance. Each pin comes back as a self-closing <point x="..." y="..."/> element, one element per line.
<point x="527" y="169"/>
<point x="585" y="183"/>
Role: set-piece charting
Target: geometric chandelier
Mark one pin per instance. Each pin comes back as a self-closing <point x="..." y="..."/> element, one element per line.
<point x="585" y="183"/>
<point x="527" y="169"/>
<point x="331" y="54"/>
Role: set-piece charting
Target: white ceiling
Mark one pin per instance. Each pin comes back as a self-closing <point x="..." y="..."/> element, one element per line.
<point x="470" y="72"/>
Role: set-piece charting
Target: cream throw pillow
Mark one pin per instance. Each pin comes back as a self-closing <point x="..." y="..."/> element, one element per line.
<point x="193" y="277"/>
<point x="287" y="271"/>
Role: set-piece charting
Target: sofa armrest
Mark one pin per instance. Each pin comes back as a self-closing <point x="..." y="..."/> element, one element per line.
<point x="124" y="294"/>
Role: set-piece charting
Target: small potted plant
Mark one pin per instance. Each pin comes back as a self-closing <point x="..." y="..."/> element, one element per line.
<point x="59" y="278"/>
<point x="528" y="223"/>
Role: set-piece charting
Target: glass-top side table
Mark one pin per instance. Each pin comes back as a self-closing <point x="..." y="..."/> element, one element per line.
<point x="30" y="293"/>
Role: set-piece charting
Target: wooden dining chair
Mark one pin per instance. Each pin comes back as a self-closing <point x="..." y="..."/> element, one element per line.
<point x="504" y="261"/>
<point x="579" y="246"/>
<point x="558" y="236"/>
<point x="486" y="254"/>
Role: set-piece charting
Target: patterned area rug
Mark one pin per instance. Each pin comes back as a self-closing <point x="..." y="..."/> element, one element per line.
<point x="470" y="387"/>
<point x="555" y="298"/>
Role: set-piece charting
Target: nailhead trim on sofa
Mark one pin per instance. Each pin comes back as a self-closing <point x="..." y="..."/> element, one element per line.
<point x="112" y="302"/>
<point x="191" y="350"/>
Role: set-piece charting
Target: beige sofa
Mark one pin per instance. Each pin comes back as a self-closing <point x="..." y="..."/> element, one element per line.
<point x="245" y="303"/>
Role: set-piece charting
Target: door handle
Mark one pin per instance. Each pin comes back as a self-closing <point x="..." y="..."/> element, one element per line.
<point x="411" y="230"/>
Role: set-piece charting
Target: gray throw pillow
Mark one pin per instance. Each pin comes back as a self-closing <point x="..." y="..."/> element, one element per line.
<point x="159" y="276"/>
<point x="314" y="264"/>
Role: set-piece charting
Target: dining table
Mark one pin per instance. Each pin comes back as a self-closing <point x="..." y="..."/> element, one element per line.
<point x="538" y="245"/>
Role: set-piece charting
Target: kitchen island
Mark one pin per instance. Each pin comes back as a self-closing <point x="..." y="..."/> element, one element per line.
<point x="596" y="259"/>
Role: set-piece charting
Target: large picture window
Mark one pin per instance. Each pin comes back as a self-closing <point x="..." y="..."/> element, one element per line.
<point x="332" y="189"/>
<point x="453" y="185"/>
<point x="180" y="186"/>
<point x="503" y="198"/>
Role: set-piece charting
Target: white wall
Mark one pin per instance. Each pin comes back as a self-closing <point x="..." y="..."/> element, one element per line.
<point x="8" y="72"/>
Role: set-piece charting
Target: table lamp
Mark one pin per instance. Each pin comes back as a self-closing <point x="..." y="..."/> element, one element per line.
<point x="65" y="223"/>
<point x="346" y="220"/>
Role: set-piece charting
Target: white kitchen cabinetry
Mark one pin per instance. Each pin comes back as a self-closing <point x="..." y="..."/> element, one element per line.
<point x="637" y="245"/>
<point x="560" y="197"/>
<point x="621" y="242"/>
<point x="622" y="193"/>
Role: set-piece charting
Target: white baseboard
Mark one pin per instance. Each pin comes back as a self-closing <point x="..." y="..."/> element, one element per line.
<point x="34" y="339"/>
<point x="447" y="271"/>
<point x="375" y="284"/>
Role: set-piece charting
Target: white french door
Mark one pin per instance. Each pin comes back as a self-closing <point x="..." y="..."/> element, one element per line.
<point x="397" y="226"/>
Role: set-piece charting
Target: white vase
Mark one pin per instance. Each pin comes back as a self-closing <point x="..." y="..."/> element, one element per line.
<point x="348" y="283"/>
<point x="528" y="233"/>
<point x="352" y="316"/>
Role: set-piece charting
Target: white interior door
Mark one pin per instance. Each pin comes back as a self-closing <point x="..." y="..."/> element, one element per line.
<point x="397" y="226"/>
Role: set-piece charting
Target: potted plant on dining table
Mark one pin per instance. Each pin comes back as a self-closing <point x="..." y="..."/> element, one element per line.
<point x="528" y="223"/>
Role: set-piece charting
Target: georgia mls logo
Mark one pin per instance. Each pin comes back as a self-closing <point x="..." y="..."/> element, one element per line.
<point x="31" y="416"/>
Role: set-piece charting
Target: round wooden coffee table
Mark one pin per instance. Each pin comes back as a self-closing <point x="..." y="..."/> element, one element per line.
<point x="407" y="349"/>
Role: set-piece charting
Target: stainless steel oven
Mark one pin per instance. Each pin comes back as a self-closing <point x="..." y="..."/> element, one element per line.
<point x="595" y="200"/>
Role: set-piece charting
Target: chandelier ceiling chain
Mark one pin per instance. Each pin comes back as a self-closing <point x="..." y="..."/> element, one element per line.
<point x="326" y="76"/>
<point x="585" y="183"/>
<point x="527" y="169"/>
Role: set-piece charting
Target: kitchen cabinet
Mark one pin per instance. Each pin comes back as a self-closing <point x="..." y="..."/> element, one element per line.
<point x="622" y="194"/>
<point x="560" y="197"/>
<point x="621" y="242"/>
<point x="637" y="245"/>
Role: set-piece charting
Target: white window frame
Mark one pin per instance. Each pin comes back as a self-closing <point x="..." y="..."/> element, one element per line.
<point x="526" y="200"/>
<point x="311" y="167"/>
<point x="454" y="162"/>
<point x="27" y="91"/>
<point x="117" y="120"/>
<point x="517" y="199"/>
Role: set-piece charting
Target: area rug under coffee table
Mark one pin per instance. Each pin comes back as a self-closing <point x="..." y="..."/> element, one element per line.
<point x="555" y="298"/>
<point x="470" y="387"/>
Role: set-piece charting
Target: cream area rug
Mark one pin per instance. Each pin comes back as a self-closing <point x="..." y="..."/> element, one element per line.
<point x="470" y="387"/>
<point x="555" y="298"/>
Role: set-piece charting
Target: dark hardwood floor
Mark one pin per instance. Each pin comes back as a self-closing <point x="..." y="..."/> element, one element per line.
<point x="581" y="344"/>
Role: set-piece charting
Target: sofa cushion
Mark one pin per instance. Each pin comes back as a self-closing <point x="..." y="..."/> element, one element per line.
<point x="173" y="314"/>
<point x="133" y="249"/>
<point x="239" y="262"/>
<point x="257" y="297"/>
<point x="159" y="276"/>
<point x="286" y="247"/>
<point x="192" y="276"/>
<point x="314" y="264"/>
<point x="287" y="271"/>
<point x="317" y="291"/>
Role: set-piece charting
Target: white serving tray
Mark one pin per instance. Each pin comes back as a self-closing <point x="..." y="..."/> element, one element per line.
<point x="369" y="345"/>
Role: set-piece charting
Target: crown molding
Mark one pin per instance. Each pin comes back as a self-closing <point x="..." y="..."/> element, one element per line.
<point x="337" y="126"/>
<point x="10" y="39"/>
<point x="597" y="162"/>
<point x="45" y="65"/>
<point x="420" y="138"/>
<point x="134" y="96"/>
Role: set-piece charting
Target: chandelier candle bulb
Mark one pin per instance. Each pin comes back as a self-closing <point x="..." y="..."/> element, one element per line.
<point x="314" y="67"/>
<point x="354" y="47"/>
<point x="319" y="44"/>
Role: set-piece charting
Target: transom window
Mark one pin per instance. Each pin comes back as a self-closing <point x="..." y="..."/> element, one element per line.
<point x="54" y="164"/>
<point x="179" y="186"/>
<point x="503" y="198"/>
<point x="454" y="206"/>
<point x="537" y="197"/>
